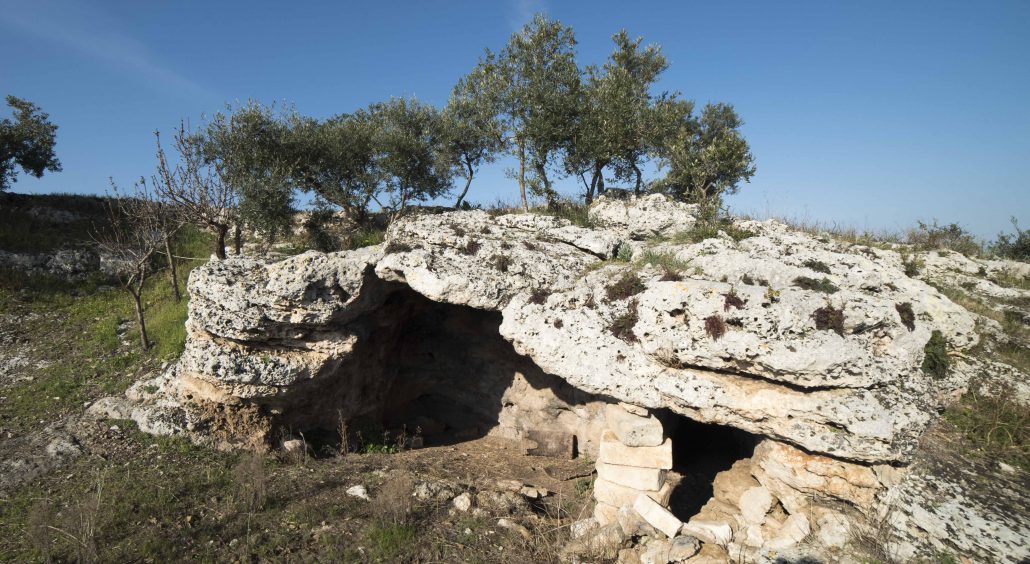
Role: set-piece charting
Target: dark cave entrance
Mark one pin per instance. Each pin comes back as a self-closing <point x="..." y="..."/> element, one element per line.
<point x="699" y="452"/>
<point x="429" y="373"/>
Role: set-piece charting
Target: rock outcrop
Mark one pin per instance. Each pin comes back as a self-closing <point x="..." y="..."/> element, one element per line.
<point x="523" y="322"/>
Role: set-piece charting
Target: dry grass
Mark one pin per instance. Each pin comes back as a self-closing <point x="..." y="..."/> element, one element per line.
<point x="627" y="286"/>
<point x="622" y="325"/>
<point x="996" y="424"/>
<point x="715" y="327"/>
<point x="829" y="318"/>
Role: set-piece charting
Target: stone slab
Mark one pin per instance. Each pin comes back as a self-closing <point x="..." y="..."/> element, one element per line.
<point x="613" y="451"/>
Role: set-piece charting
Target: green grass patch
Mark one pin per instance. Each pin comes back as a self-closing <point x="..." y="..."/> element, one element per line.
<point x="997" y="425"/>
<point x="935" y="356"/>
<point x="824" y="285"/>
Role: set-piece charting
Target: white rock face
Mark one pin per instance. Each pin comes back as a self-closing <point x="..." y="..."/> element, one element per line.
<point x="258" y="331"/>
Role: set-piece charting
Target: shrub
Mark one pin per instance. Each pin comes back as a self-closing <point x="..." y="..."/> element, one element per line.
<point x="667" y="262"/>
<point x="824" y="285"/>
<point x="709" y="229"/>
<point x="316" y="230"/>
<point x="935" y="359"/>
<point x="622" y="325"/>
<point x="746" y="279"/>
<point x="624" y="253"/>
<point x="829" y="318"/>
<point x="1013" y="246"/>
<point x="501" y="262"/>
<point x="731" y="299"/>
<point x="715" y="327"/>
<point x="625" y="287"/>
<point x="671" y="276"/>
<point x="908" y="317"/>
<point x="539" y="296"/>
<point x="397" y="247"/>
<point x="912" y="265"/>
<point x="529" y="245"/>
<point x="817" y="265"/>
<point x="951" y="236"/>
<point x="472" y="247"/>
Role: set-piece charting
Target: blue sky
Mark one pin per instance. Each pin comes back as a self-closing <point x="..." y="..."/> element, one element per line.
<point x="871" y="114"/>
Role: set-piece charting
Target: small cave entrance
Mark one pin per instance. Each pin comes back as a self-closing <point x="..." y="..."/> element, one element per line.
<point x="425" y="373"/>
<point x="700" y="452"/>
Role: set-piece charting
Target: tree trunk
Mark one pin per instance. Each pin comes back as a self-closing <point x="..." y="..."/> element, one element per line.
<point x="600" y="182"/>
<point x="237" y="239"/>
<point x="636" y="189"/>
<point x="172" y="272"/>
<point x="468" y="182"/>
<point x="138" y="302"/>
<point x="522" y="177"/>
<point x="220" y="233"/>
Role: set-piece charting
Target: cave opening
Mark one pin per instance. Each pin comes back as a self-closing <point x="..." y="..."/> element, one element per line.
<point x="700" y="451"/>
<point x="425" y="373"/>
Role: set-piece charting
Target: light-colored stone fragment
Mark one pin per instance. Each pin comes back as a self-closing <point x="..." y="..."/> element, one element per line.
<point x="795" y="528"/>
<point x="619" y="496"/>
<point x="683" y="547"/>
<point x="656" y="552"/>
<point x="582" y="527"/>
<point x="634" y="430"/>
<point x="358" y="491"/>
<point x="834" y="530"/>
<point x="613" y="451"/>
<point x="709" y="531"/>
<point x="657" y="516"/>
<point x="754" y="504"/>
<point x="462" y="502"/>
<point x="605" y="514"/>
<point x="632" y="476"/>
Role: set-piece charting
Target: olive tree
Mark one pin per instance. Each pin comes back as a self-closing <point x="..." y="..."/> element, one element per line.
<point x="707" y="156"/>
<point x="247" y="148"/>
<point x="533" y="84"/>
<point x="472" y="133"/>
<point x="27" y="141"/>
<point x="408" y="165"/>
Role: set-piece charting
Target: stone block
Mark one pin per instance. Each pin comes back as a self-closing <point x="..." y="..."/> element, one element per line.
<point x="620" y="496"/>
<point x="713" y="532"/>
<point x="632" y="476"/>
<point x="612" y="451"/>
<point x="633" y="430"/>
<point x="657" y="516"/>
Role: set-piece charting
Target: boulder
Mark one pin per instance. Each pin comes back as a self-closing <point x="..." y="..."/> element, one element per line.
<point x="632" y="476"/>
<point x="633" y="430"/>
<point x="613" y="451"/>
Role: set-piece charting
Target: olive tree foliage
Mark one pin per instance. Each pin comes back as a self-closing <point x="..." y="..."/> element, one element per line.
<point x="407" y="164"/>
<point x="27" y="141"/>
<point x="707" y="156"/>
<point x="619" y="122"/>
<point x="246" y="148"/>
<point x="472" y="133"/>
<point x="533" y="85"/>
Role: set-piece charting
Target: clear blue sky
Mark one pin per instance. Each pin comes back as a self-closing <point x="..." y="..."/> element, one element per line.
<point x="873" y="114"/>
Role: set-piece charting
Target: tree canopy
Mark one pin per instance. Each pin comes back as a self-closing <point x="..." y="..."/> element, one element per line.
<point x="27" y="141"/>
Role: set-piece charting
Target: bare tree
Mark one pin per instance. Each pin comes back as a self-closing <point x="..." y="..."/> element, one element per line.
<point x="134" y="233"/>
<point x="197" y="187"/>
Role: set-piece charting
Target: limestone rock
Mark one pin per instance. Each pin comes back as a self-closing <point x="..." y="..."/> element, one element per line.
<point x="632" y="476"/>
<point x="619" y="496"/>
<point x="683" y="547"/>
<point x="709" y="531"/>
<point x="633" y="430"/>
<point x="755" y="503"/>
<point x="358" y="491"/>
<point x="462" y="502"/>
<point x="613" y="451"/>
<point x="657" y="516"/>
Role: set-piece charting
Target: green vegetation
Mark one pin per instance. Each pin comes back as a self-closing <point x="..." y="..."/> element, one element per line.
<point x="672" y="268"/>
<point x="816" y="265"/>
<point x="1014" y="246"/>
<point x="824" y="285"/>
<point x="709" y="229"/>
<point x="27" y="142"/>
<point x="996" y="424"/>
<point x="935" y="358"/>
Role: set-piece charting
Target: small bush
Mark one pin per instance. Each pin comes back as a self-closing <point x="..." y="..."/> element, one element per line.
<point x="935" y="359"/>
<point x="824" y="285"/>
<point x="472" y="247"/>
<point x="529" y="245"/>
<point x="731" y="299"/>
<point x="625" y="287"/>
<point x="624" y="253"/>
<point x="558" y="323"/>
<point x="829" y="318"/>
<point x="709" y="229"/>
<point x="397" y="247"/>
<point x="667" y="262"/>
<point x="1013" y="246"/>
<point x="715" y="327"/>
<point x="746" y="279"/>
<point x="912" y="265"/>
<point x="671" y="276"/>
<point x="501" y="262"/>
<point x="316" y="231"/>
<point x="908" y="317"/>
<point x="952" y="236"/>
<point x="458" y="230"/>
<point x="622" y="325"/>
<point x="539" y="296"/>
<point x="817" y="265"/>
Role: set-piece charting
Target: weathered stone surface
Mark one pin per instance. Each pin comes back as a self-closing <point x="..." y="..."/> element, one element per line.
<point x="633" y="430"/>
<point x="619" y="496"/>
<point x="605" y="513"/>
<point x="657" y="516"/>
<point x="754" y="504"/>
<point x="709" y="531"/>
<point x="632" y="476"/>
<point x="612" y="451"/>
<point x="258" y="330"/>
